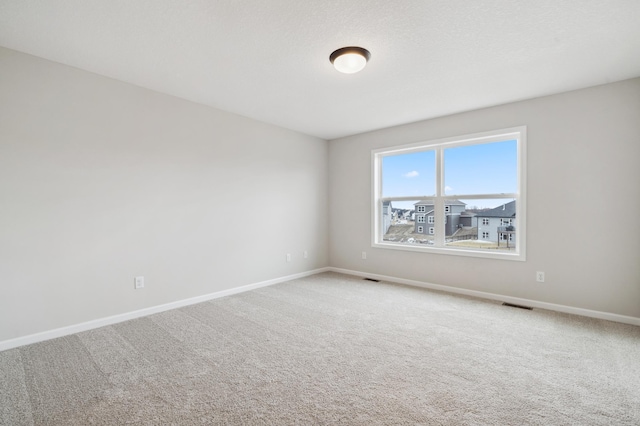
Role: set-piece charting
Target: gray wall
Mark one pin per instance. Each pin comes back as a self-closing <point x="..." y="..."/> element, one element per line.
<point x="583" y="146"/>
<point x="101" y="181"/>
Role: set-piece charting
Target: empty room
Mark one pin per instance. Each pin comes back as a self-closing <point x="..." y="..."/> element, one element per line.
<point x="336" y="212"/>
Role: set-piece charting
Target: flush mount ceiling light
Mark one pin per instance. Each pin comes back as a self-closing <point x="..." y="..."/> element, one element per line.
<point x="350" y="59"/>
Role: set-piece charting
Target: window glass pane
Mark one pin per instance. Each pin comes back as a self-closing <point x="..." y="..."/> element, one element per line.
<point x="408" y="222"/>
<point x="489" y="225"/>
<point x="410" y="174"/>
<point x="490" y="168"/>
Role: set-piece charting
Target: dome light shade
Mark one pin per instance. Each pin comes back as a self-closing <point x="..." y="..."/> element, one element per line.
<point x="350" y="60"/>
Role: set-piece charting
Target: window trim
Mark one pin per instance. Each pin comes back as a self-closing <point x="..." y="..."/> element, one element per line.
<point x="518" y="133"/>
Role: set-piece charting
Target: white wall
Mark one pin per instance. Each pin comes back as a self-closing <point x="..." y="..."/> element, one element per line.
<point x="583" y="201"/>
<point x="101" y="181"/>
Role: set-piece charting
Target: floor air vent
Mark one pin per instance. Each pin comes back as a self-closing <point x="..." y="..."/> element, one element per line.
<point x="371" y="279"/>
<point x="511" y="305"/>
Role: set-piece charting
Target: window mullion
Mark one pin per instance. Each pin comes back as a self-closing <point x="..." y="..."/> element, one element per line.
<point x="439" y="200"/>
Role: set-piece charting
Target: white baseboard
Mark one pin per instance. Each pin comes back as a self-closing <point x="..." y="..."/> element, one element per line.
<point x="101" y="322"/>
<point x="515" y="300"/>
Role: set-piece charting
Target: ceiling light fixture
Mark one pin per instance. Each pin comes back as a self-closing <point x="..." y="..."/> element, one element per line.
<point x="350" y="59"/>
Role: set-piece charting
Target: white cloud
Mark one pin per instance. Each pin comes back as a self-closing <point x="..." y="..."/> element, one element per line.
<point x="411" y="174"/>
<point x="448" y="188"/>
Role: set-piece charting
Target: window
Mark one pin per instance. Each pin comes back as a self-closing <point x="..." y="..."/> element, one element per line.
<point x="459" y="179"/>
<point x="420" y="229"/>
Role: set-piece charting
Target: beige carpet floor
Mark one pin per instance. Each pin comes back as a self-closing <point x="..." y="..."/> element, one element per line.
<point x="331" y="349"/>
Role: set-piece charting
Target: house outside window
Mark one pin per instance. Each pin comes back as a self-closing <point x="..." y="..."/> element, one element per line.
<point x="499" y="223"/>
<point x="454" y="209"/>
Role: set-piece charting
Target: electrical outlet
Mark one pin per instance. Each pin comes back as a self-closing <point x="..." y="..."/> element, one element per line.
<point x="305" y="254"/>
<point x="138" y="282"/>
<point x="288" y="257"/>
<point x="364" y="254"/>
<point x="540" y="276"/>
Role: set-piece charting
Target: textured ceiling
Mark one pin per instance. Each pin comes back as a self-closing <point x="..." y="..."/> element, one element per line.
<point x="269" y="59"/>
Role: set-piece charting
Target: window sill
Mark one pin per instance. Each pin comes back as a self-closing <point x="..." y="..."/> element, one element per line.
<point x="468" y="252"/>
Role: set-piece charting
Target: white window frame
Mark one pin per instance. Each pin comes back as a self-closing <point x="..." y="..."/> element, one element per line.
<point x="486" y="221"/>
<point x="421" y="209"/>
<point x="431" y="230"/>
<point x="486" y="235"/>
<point x="420" y="218"/>
<point x="430" y="219"/>
<point x="420" y="229"/>
<point x="439" y="199"/>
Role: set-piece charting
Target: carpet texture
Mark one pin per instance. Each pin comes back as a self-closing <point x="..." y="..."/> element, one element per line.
<point x="331" y="349"/>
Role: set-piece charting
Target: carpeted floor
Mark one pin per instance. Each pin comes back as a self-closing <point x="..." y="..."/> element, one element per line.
<point x="331" y="349"/>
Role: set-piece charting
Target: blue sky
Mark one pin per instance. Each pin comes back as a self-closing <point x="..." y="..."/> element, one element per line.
<point x="473" y="169"/>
